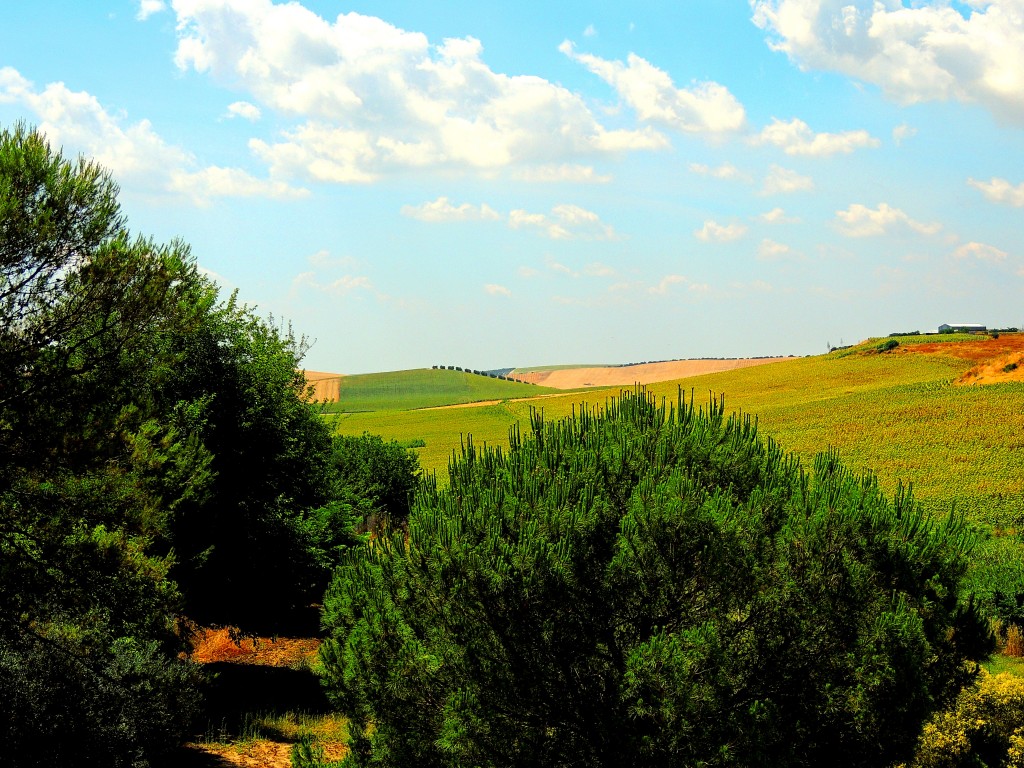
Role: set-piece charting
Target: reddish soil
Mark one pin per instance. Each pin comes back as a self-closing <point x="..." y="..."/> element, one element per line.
<point x="990" y="357"/>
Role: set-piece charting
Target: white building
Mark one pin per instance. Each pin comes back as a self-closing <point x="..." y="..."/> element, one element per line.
<point x="961" y="327"/>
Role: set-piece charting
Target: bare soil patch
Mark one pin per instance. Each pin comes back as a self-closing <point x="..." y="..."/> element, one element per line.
<point x="646" y="373"/>
<point x="994" y="360"/>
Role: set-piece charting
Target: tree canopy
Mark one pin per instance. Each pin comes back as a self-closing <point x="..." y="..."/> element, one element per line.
<point x="649" y="586"/>
<point x="159" y="458"/>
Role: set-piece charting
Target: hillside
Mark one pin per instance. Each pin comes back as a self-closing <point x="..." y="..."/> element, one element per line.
<point x="572" y="377"/>
<point x="422" y="388"/>
<point x="898" y="413"/>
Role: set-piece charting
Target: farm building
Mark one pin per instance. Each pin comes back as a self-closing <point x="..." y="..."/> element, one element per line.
<point x="961" y="327"/>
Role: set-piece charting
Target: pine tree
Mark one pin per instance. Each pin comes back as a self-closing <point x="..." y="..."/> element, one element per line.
<point x="649" y="585"/>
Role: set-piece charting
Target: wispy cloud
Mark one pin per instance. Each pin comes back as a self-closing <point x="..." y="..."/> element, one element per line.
<point x="770" y="250"/>
<point x="649" y="91"/>
<point x="783" y="181"/>
<point x="902" y="132"/>
<point x="797" y="138"/>
<point x="493" y="289"/>
<point x="726" y="171"/>
<point x="777" y="216"/>
<point x="566" y="172"/>
<point x="244" y="110"/>
<point x="564" y="222"/>
<point x="979" y="251"/>
<point x="712" y="231"/>
<point x="1000" y="191"/>
<point x="665" y="284"/>
<point x="860" y="221"/>
<point x="442" y="210"/>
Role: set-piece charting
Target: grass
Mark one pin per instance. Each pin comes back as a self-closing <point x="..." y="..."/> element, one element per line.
<point x="897" y="414"/>
<point x="424" y="388"/>
<point x="999" y="664"/>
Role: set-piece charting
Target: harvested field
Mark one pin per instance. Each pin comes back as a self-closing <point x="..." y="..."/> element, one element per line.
<point x="627" y="375"/>
<point x="326" y="386"/>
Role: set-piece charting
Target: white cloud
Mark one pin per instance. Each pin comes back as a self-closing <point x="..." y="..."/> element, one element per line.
<point x="902" y="132"/>
<point x="342" y="286"/>
<point x="371" y="98"/>
<point x="860" y="221"/>
<point x="769" y="250"/>
<point x="597" y="269"/>
<point x="493" y="289"/>
<point x="720" y="233"/>
<point x="979" y="251"/>
<point x="244" y="110"/>
<point x="324" y="260"/>
<point x="1000" y="191"/>
<point x="565" y="222"/>
<point x="797" y="138"/>
<point x="565" y="172"/>
<point x="442" y="210"/>
<point x="782" y="181"/>
<point x="725" y="171"/>
<point x="148" y="7"/>
<point x="927" y="51"/>
<point x="133" y="152"/>
<point x="561" y="269"/>
<point x="590" y="31"/>
<point x="777" y="216"/>
<point x="665" y="283"/>
<point x="706" y="107"/>
<point x="212" y="182"/>
<point x="528" y="272"/>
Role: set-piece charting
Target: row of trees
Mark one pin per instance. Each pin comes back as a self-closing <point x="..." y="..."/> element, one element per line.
<point x="159" y="458"/>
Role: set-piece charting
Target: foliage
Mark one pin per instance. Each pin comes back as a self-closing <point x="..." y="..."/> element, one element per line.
<point x="381" y="475"/>
<point x="253" y="532"/>
<point x="648" y="586"/>
<point x="89" y="650"/>
<point x="984" y="727"/>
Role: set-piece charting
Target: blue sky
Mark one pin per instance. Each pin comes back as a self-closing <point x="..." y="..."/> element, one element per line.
<point x="493" y="185"/>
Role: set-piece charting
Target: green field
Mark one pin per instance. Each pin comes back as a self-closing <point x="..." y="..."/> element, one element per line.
<point x="896" y="414"/>
<point x="424" y="388"/>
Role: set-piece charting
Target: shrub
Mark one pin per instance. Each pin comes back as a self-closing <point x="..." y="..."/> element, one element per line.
<point x="984" y="727"/>
<point x="649" y="586"/>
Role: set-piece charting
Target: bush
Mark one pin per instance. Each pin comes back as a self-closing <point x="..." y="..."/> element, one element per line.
<point x="984" y="727"/>
<point x="649" y="586"/>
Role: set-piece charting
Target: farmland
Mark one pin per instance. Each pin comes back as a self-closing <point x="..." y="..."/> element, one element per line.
<point x="897" y="413"/>
<point x="423" y="388"/>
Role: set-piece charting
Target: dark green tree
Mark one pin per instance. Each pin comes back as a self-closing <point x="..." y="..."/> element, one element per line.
<point x="380" y="475"/>
<point x="159" y="458"/>
<point x="89" y="648"/>
<point x="247" y="549"/>
<point x="644" y="586"/>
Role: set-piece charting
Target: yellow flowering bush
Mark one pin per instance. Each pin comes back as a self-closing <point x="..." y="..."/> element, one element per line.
<point x="984" y="727"/>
